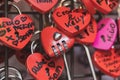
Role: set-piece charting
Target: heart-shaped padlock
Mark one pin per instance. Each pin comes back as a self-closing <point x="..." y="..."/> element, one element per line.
<point x="89" y="34"/>
<point x="71" y="22"/>
<point x="107" y="31"/>
<point x="16" y="33"/>
<point x="42" y="6"/>
<point x="89" y="6"/>
<point x="55" y="42"/>
<point x="108" y="61"/>
<point x="105" y="6"/>
<point x="44" y="69"/>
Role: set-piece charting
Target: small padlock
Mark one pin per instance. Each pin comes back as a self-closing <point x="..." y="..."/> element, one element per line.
<point x="16" y="33"/>
<point x="88" y="35"/>
<point x="89" y="6"/>
<point x="42" y="6"/>
<point x="107" y="31"/>
<point x="42" y="67"/>
<point x="103" y="6"/>
<point x="71" y="22"/>
<point x="55" y="42"/>
<point x="108" y="61"/>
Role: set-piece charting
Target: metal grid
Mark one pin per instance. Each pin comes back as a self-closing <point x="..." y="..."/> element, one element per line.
<point x="72" y="67"/>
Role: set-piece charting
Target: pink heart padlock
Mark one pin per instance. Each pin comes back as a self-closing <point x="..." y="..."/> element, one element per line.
<point x="107" y="31"/>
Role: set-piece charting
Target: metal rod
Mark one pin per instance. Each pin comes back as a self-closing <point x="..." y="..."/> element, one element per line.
<point x="72" y="63"/>
<point x="6" y="50"/>
<point x="90" y="62"/>
<point x="67" y="68"/>
<point x="44" y="20"/>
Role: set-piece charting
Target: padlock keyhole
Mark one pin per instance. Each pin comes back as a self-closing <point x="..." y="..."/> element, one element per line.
<point x="103" y="38"/>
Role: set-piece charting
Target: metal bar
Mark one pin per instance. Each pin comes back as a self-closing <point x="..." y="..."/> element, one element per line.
<point x="6" y="50"/>
<point x="67" y="68"/>
<point x="72" y="63"/>
<point x="90" y="63"/>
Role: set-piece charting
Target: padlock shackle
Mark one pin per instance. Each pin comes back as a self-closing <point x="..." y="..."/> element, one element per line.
<point x="16" y="73"/>
<point x="15" y="6"/>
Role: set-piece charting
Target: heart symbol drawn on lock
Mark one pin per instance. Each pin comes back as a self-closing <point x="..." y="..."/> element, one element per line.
<point x="42" y="6"/>
<point x="89" y="34"/>
<point x="105" y="6"/>
<point x="107" y="32"/>
<point x="55" y="42"/>
<point x="16" y="33"/>
<point x="44" y="69"/>
<point x="71" y="22"/>
<point x="108" y="61"/>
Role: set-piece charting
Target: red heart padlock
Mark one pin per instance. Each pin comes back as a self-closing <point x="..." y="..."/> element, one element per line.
<point x="105" y="6"/>
<point x="42" y="6"/>
<point x="108" y="61"/>
<point x="89" y="6"/>
<point x="89" y="34"/>
<point x="43" y="69"/>
<point x="55" y="42"/>
<point x="16" y="33"/>
<point x="71" y="22"/>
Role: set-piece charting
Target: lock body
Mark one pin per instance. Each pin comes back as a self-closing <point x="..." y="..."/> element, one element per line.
<point x="55" y="42"/>
<point x="107" y="32"/>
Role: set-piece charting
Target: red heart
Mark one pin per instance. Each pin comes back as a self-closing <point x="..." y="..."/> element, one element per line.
<point x="44" y="69"/>
<point x="16" y="33"/>
<point x="42" y="6"/>
<point x="108" y="61"/>
<point x="105" y="6"/>
<point x="89" y="6"/>
<point x="55" y="42"/>
<point x="89" y="34"/>
<point x="71" y="22"/>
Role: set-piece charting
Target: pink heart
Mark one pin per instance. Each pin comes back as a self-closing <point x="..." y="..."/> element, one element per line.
<point x="107" y="31"/>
